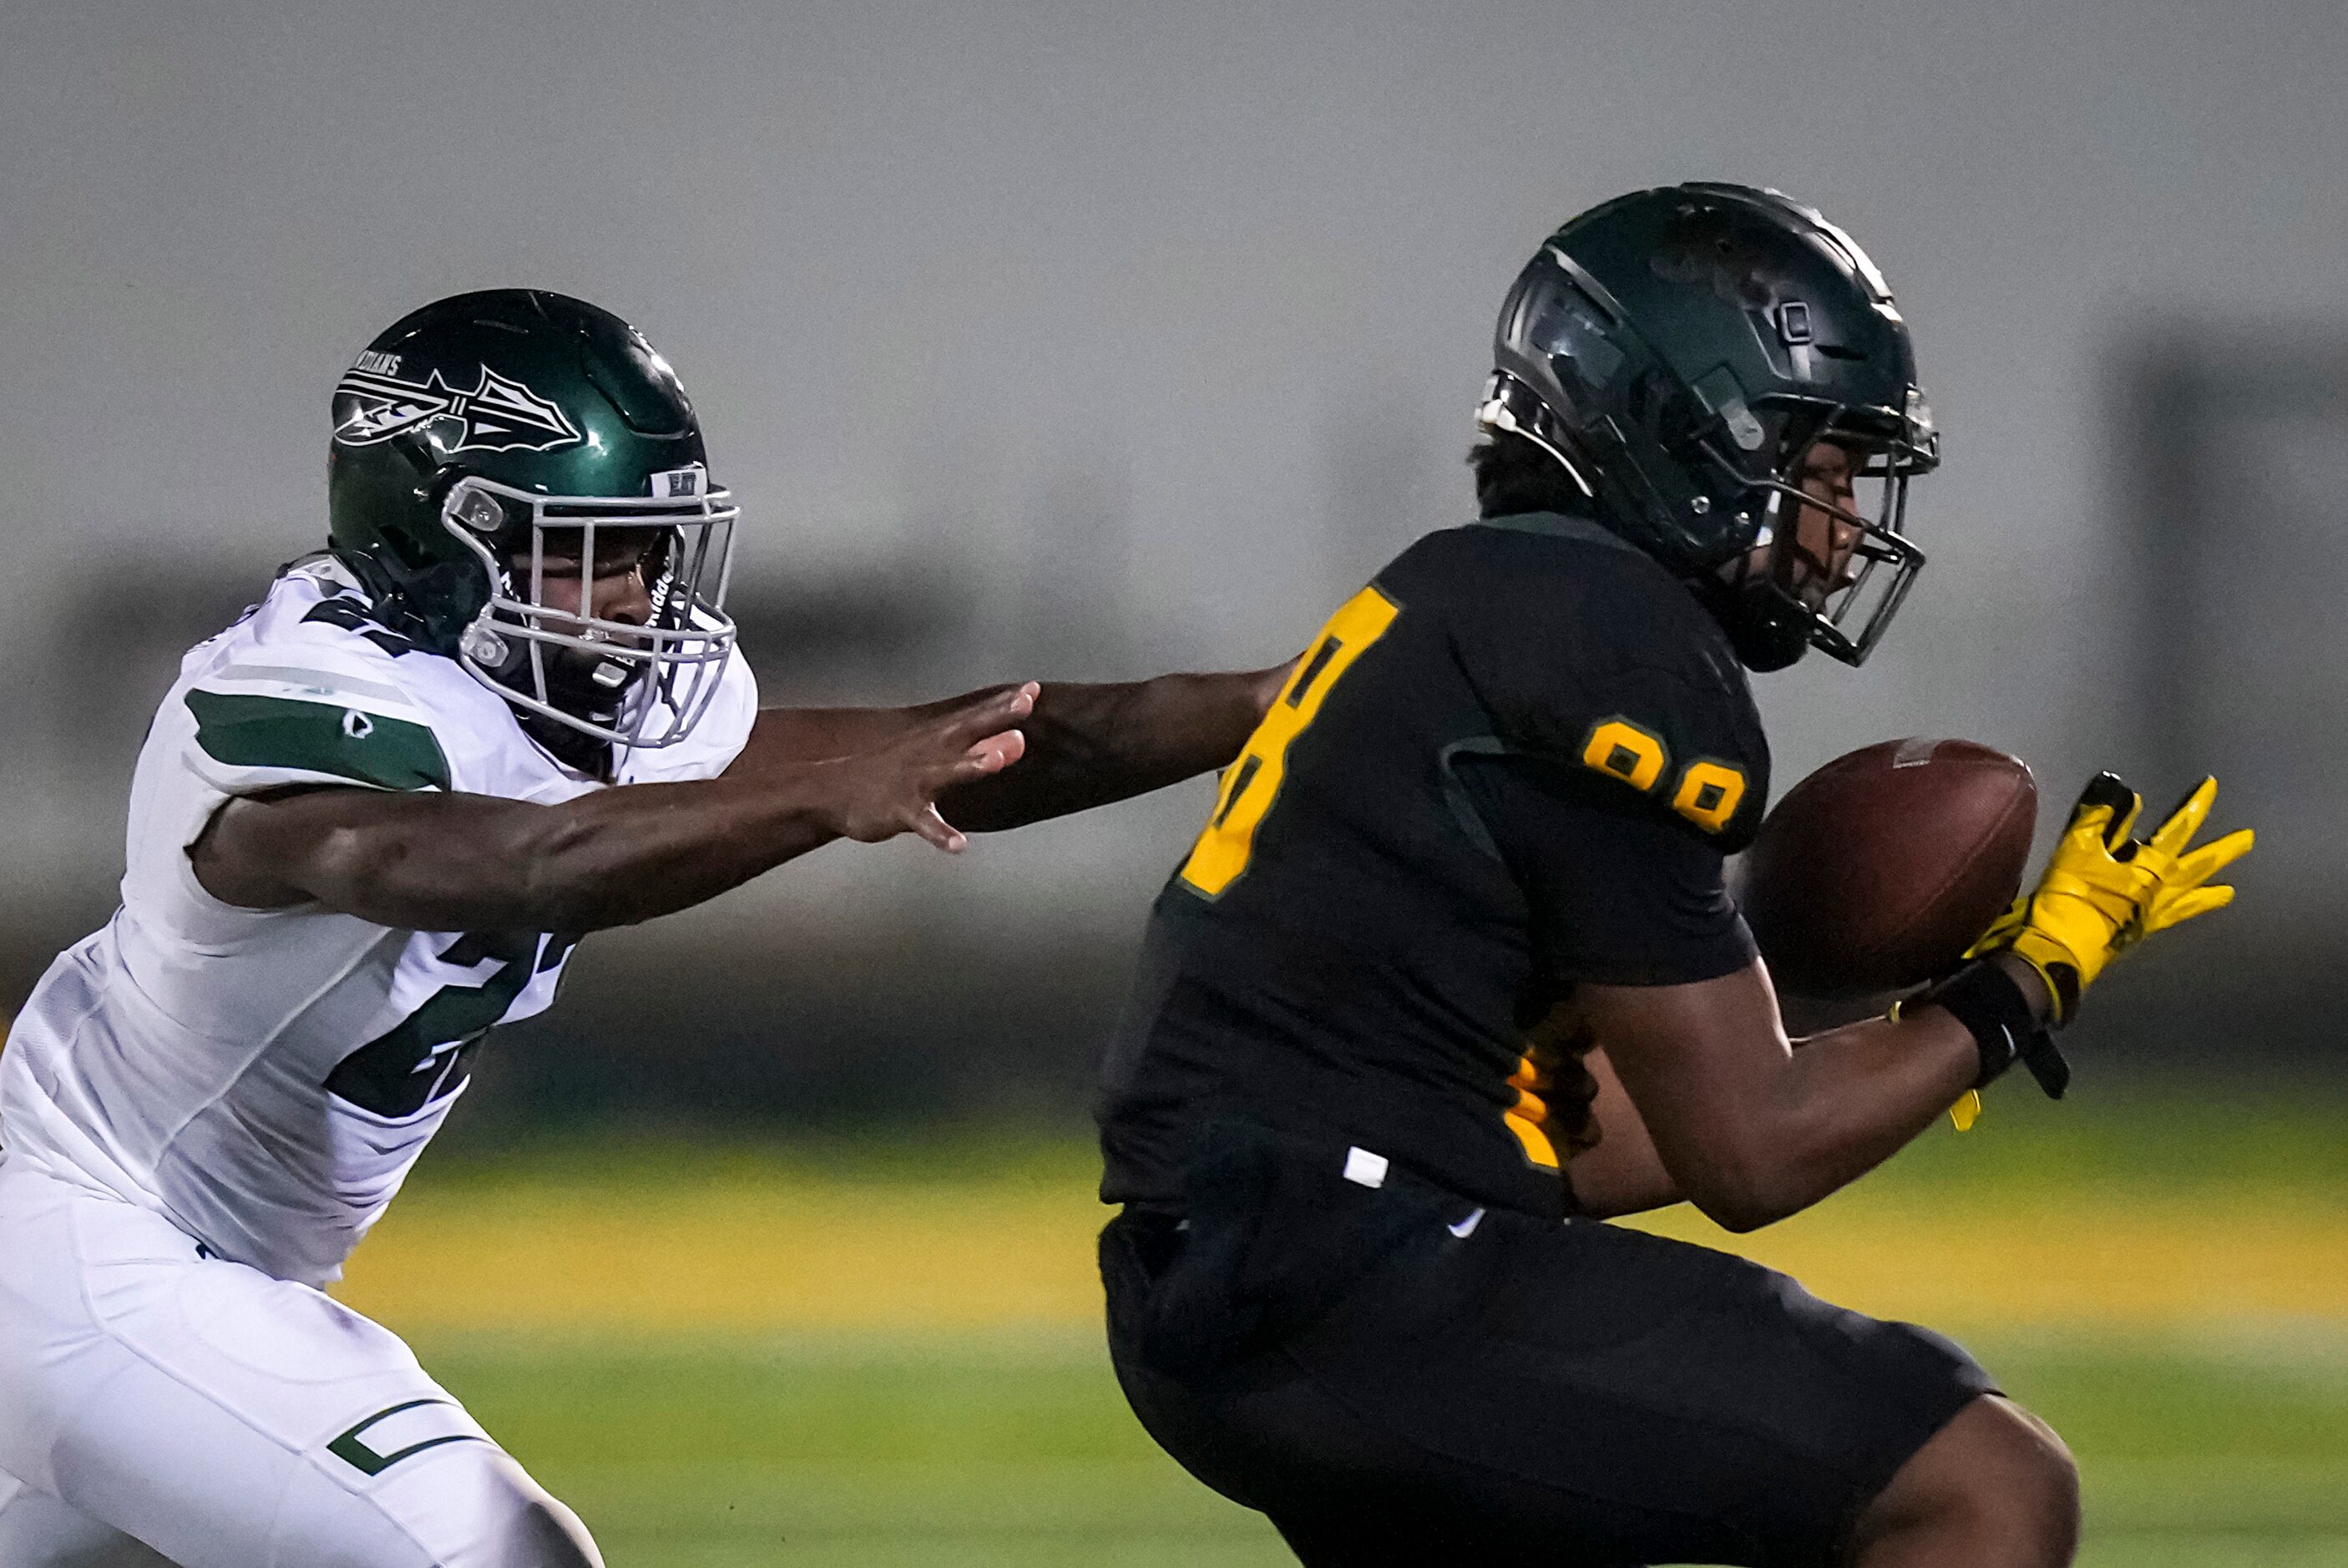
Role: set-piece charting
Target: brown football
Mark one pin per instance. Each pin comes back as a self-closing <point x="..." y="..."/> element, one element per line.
<point x="1875" y="872"/>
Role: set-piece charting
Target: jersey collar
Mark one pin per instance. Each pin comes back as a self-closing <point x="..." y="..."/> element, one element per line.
<point x="1560" y="525"/>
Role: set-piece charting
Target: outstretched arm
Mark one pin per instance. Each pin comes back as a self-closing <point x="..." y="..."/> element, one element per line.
<point x="1090" y="745"/>
<point x="1086" y="745"/>
<point x="615" y="857"/>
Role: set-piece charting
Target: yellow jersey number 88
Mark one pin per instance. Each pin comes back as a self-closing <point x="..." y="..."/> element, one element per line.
<point x="1252" y="783"/>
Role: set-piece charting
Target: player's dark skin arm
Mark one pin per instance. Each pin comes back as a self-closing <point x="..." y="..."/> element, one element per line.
<point x="613" y="857"/>
<point x="1727" y="1113"/>
<point x="1623" y="1174"/>
<point x="1088" y="745"/>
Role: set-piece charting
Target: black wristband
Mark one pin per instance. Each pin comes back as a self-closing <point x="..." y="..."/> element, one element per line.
<point x="1991" y="1005"/>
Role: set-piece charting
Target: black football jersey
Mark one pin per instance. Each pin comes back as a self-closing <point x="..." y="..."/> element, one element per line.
<point x="1515" y="761"/>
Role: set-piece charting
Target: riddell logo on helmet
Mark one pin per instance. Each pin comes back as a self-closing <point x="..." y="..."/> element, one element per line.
<point x="499" y="415"/>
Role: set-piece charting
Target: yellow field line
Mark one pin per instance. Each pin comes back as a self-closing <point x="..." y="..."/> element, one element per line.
<point x="2110" y="1261"/>
<point x="764" y="1253"/>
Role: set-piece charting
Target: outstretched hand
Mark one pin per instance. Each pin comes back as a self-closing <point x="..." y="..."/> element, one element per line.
<point x="893" y="788"/>
<point x="2103" y="891"/>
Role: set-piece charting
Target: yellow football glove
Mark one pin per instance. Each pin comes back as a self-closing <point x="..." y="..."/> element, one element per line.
<point x="2103" y="892"/>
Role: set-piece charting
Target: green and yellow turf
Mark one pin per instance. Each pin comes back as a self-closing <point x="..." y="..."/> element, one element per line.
<point x="857" y="1353"/>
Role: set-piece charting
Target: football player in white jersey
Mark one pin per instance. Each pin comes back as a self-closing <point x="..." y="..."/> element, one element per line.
<point x="370" y="821"/>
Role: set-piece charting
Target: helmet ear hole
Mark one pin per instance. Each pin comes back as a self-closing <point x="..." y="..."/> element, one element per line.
<point x="1679" y="419"/>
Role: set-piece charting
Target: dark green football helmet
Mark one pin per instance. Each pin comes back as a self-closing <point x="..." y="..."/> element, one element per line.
<point x="488" y="433"/>
<point x="1679" y="351"/>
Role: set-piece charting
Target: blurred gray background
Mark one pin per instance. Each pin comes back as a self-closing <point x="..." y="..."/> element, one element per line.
<point x="1087" y="341"/>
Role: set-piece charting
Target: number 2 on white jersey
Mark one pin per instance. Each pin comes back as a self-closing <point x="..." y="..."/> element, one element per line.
<point x="1252" y="783"/>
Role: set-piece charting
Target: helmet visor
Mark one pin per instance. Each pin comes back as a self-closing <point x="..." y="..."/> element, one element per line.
<point x="607" y="613"/>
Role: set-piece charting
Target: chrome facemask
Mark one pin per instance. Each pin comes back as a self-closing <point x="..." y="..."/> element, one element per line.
<point x="637" y="686"/>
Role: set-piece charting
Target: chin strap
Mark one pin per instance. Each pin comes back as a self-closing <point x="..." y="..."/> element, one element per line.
<point x="575" y="748"/>
<point x="1762" y="632"/>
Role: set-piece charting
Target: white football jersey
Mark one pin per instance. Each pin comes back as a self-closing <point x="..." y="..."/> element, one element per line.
<point x="264" y="1079"/>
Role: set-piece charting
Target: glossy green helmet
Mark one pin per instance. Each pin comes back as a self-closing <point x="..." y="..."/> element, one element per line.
<point x="1678" y="351"/>
<point x="482" y="429"/>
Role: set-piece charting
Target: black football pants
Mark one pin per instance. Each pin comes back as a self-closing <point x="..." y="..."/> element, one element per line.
<point x="1398" y="1378"/>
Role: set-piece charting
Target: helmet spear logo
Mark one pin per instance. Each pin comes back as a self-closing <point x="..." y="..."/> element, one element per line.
<point x="499" y="415"/>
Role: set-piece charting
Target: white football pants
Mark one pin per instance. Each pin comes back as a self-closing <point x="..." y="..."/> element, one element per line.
<point x="158" y="1407"/>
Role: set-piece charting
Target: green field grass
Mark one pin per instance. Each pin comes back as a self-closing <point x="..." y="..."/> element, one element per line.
<point x="1014" y="1447"/>
<point x="852" y="1354"/>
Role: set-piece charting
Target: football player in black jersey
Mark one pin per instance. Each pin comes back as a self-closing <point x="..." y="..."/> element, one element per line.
<point x="1451" y="974"/>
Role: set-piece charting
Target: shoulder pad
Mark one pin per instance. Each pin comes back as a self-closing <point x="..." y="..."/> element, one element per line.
<point x="1598" y="658"/>
<point x="261" y="726"/>
<point x="289" y="698"/>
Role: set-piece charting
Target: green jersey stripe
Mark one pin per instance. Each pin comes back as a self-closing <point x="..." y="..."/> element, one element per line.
<point x="246" y="731"/>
